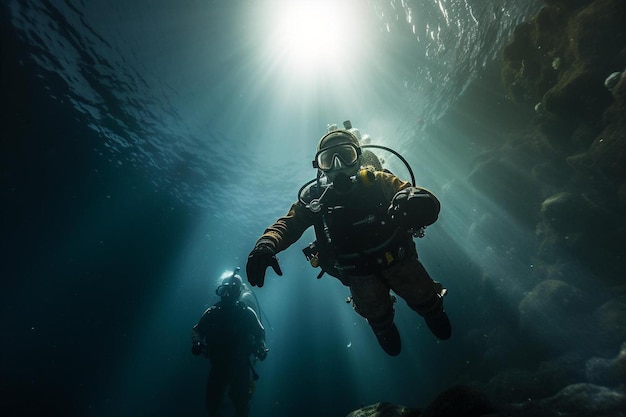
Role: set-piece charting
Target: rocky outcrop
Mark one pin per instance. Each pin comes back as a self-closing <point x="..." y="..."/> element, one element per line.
<point x="568" y="62"/>
<point x="457" y="401"/>
<point x="575" y="400"/>
<point x="385" y="410"/>
<point x="562" y="176"/>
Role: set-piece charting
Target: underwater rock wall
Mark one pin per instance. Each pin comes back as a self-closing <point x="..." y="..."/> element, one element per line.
<point x="564" y="175"/>
<point x="568" y="63"/>
<point x="561" y="174"/>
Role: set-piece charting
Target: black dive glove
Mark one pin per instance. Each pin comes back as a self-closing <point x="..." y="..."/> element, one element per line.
<point x="412" y="208"/>
<point x="197" y="348"/>
<point x="259" y="259"/>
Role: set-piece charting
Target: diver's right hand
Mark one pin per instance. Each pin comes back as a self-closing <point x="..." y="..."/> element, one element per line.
<point x="259" y="259"/>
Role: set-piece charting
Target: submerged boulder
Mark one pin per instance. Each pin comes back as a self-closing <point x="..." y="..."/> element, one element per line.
<point x="457" y="401"/>
<point x="385" y="409"/>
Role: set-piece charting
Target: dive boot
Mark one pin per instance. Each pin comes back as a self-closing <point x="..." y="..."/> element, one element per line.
<point x="389" y="339"/>
<point x="439" y="324"/>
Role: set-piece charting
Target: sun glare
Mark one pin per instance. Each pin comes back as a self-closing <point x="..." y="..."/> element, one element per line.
<point x="308" y="35"/>
<point x="309" y="30"/>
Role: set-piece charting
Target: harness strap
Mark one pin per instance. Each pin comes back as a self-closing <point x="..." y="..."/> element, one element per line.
<point x="373" y="260"/>
<point x="370" y="251"/>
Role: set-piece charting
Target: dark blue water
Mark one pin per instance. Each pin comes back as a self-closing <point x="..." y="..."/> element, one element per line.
<point x="146" y="146"/>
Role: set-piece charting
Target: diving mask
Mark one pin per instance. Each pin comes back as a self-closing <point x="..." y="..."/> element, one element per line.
<point x="336" y="155"/>
<point x="230" y="288"/>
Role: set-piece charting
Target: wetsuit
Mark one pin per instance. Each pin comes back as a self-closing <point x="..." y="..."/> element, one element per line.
<point x="232" y="332"/>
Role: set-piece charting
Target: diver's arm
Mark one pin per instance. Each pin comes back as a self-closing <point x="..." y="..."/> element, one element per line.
<point x="390" y="183"/>
<point x="287" y="229"/>
<point x="200" y="330"/>
<point x="196" y="338"/>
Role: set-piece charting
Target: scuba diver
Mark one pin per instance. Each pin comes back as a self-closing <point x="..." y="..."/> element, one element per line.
<point x="364" y="219"/>
<point x="229" y="333"/>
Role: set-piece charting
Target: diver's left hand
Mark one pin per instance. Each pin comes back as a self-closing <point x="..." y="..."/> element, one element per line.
<point x="412" y="208"/>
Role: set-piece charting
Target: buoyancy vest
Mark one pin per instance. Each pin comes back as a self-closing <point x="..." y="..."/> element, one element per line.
<point x="228" y="328"/>
<point x="354" y="233"/>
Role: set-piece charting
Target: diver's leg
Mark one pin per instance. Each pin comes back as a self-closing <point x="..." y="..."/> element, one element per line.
<point x="215" y="393"/>
<point x="241" y="389"/>
<point x="410" y="280"/>
<point x="372" y="300"/>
